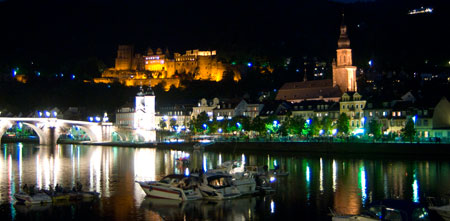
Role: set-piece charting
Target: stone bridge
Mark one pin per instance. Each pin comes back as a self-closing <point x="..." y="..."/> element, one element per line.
<point x="49" y="129"/>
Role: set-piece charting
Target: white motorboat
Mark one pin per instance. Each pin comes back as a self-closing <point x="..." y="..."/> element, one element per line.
<point x="218" y="187"/>
<point x="242" y="179"/>
<point x="37" y="198"/>
<point x="175" y="187"/>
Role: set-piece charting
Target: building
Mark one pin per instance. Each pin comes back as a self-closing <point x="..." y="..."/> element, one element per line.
<point x="344" y="78"/>
<point x="353" y="106"/>
<point x="138" y="122"/>
<point x="205" y="106"/>
<point x="163" y="68"/>
<point x="180" y="114"/>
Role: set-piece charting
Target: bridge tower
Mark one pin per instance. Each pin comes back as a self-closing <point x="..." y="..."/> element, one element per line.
<point x="144" y="117"/>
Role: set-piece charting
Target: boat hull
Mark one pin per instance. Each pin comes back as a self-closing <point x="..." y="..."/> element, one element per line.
<point x="38" y="198"/>
<point x="167" y="192"/>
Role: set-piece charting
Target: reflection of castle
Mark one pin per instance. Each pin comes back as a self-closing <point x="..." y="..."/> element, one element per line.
<point x="131" y="69"/>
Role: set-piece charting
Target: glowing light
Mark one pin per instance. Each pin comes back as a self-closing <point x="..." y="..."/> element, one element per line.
<point x="204" y="126"/>
<point x="415" y="187"/>
<point x="308" y="173"/>
<point x="144" y="164"/>
<point x="334" y="175"/>
<point x="186" y="172"/>
<point x="321" y="132"/>
<point x="220" y="130"/>
<point x="91" y="119"/>
<point x="414" y="118"/>
<point x="321" y="176"/>
<point x="204" y="163"/>
<point x="220" y="159"/>
<point x="249" y="64"/>
<point x="308" y="121"/>
<point x="370" y="63"/>
<point x="334" y="131"/>
<point x="40" y="113"/>
<point x="272" y="206"/>
<point x="359" y="131"/>
<point x="97" y="118"/>
<point x="272" y="179"/>
<point x="243" y="159"/>
<point x="38" y="73"/>
<point x="165" y="118"/>
<point x="219" y="118"/>
<point x="55" y="114"/>
<point x="47" y="114"/>
<point x="73" y="76"/>
<point x="363" y="183"/>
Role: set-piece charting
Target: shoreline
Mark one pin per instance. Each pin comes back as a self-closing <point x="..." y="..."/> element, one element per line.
<point x="315" y="148"/>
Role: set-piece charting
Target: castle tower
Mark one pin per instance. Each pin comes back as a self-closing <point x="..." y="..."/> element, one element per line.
<point x="344" y="73"/>
<point x="124" y="57"/>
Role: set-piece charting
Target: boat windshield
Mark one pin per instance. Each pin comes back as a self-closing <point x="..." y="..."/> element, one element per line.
<point x="217" y="182"/>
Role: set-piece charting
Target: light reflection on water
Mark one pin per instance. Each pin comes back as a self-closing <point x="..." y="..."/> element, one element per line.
<point x="314" y="184"/>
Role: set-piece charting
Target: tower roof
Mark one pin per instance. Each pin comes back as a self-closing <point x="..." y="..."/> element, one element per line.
<point x="343" y="42"/>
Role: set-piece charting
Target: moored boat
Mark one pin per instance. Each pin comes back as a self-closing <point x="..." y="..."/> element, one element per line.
<point x="36" y="198"/>
<point x="175" y="187"/>
<point x="218" y="187"/>
<point x="242" y="179"/>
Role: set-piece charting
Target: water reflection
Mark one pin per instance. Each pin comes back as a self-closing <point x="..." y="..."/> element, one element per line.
<point x="314" y="184"/>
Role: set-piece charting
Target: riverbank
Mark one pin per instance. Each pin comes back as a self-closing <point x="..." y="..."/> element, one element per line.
<point x="379" y="149"/>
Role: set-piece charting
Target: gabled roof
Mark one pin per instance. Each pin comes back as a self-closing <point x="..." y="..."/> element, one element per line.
<point x="308" y="90"/>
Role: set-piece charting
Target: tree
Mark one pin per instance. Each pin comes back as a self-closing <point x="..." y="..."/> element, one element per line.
<point x="162" y="124"/>
<point x="315" y="126"/>
<point x="326" y="125"/>
<point x="198" y="123"/>
<point x="375" y="129"/>
<point x="258" y="125"/>
<point x="343" y="124"/>
<point x="294" y="125"/>
<point x="173" y="124"/>
<point x="409" y="132"/>
<point x="272" y="124"/>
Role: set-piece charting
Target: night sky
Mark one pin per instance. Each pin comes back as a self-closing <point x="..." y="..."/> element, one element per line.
<point x="49" y="32"/>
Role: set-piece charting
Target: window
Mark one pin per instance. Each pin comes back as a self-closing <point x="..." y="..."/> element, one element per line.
<point x="384" y="113"/>
<point x="370" y="113"/>
<point x="399" y="114"/>
<point x="393" y="114"/>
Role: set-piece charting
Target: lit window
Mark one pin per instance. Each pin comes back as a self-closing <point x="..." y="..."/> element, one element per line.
<point x="399" y="114"/>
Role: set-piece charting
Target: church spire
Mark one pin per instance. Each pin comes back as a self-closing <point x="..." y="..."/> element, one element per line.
<point x="343" y="42"/>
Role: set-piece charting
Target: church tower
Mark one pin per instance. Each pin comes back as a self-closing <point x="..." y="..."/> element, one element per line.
<point x="344" y="73"/>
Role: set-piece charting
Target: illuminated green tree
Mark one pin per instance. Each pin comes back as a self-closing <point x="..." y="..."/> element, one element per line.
<point x="258" y="125"/>
<point x="314" y="127"/>
<point x="199" y="124"/>
<point x="375" y="129"/>
<point x="294" y="125"/>
<point x="343" y="124"/>
<point x="409" y="132"/>
<point x="326" y="125"/>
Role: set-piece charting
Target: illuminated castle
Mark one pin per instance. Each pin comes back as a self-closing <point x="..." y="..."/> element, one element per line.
<point x="133" y="69"/>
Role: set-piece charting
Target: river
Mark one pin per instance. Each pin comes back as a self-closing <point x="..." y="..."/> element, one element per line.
<point x="314" y="184"/>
